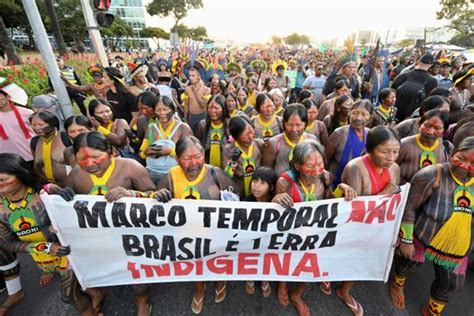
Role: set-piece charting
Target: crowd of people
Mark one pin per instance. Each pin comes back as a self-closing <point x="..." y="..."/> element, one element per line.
<point x="274" y="125"/>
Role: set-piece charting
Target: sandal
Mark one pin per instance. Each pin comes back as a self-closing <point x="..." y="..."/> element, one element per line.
<point x="150" y="307"/>
<point x="354" y="306"/>
<point x="196" y="305"/>
<point x="398" y="300"/>
<point x="46" y="279"/>
<point x="283" y="296"/>
<point x="4" y="309"/>
<point x="250" y="287"/>
<point x="266" y="289"/>
<point x="302" y="308"/>
<point x="221" y="294"/>
<point x="325" y="287"/>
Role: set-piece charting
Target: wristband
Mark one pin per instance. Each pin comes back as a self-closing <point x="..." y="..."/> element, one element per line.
<point x="152" y="195"/>
<point x="103" y="130"/>
<point x="406" y="231"/>
<point x="173" y="152"/>
<point x="138" y="194"/>
<point x="47" y="248"/>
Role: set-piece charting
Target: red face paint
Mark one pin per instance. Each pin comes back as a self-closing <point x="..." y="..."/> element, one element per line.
<point x="87" y="157"/>
<point x="313" y="165"/>
<point x="7" y="183"/>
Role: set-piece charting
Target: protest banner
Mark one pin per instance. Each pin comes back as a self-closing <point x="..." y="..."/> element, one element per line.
<point x="134" y="241"/>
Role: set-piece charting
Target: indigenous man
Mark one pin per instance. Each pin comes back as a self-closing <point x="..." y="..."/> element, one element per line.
<point x="234" y="75"/>
<point x="98" y="173"/>
<point x="98" y="88"/>
<point x="195" y="99"/>
<point x="426" y="148"/>
<point x="192" y="179"/>
<point x="436" y="226"/>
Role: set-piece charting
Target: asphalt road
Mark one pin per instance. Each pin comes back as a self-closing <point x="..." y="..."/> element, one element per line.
<point x="175" y="298"/>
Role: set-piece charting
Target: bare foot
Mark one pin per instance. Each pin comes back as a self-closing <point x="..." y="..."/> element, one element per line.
<point x="397" y="295"/>
<point x="46" y="279"/>
<point x="300" y="305"/>
<point x="282" y="294"/>
<point x="97" y="295"/>
<point x="143" y="308"/>
<point x="11" y="301"/>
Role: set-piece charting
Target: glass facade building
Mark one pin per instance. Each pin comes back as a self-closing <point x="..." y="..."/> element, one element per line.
<point x="133" y="13"/>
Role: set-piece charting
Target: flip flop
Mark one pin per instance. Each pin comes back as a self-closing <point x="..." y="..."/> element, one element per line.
<point x="266" y="289"/>
<point x="398" y="300"/>
<point x="196" y="305"/>
<point x="301" y="308"/>
<point x="354" y="306"/>
<point x="283" y="297"/>
<point x="250" y="287"/>
<point x="221" y="294"/>
<point x="325" y="287"/>
<point x="47" y="281"/>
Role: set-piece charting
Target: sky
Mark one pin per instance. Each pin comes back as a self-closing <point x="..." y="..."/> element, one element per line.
<point x="247" y="21"/>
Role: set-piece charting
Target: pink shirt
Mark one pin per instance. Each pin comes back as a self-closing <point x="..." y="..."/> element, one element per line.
<point x="16" y="142"/>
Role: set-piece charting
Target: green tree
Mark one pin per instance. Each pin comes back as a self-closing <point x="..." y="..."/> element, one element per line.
<point x="58" y="36"/>
<point x="155" y="33"/>
<point x="405" y="43"/>
<point x="460" y="13"/>
<point x="118" y="30"/>
<point x="460" y="40"/>
<point x="293" y="39"/>
<point x="304" y="40"/>
<point x="276" y="40"/>
<point x="7" y="44"/>
<point x="14" y="16"/>
<point x="199" y="33"/>
<point x="176" y="8"/>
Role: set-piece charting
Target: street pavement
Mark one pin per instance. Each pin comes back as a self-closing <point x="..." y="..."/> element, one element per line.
<point x="175" y="298"/>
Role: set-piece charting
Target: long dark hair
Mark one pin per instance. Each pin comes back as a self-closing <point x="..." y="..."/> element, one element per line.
<point x="221" y="101"/>
<point x="117" y="78"/>
<point x="335" y="118"/>
<point x="17" y="166"/>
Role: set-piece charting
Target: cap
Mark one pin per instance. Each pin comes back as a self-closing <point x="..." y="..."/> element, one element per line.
<point x="427" y="59"/>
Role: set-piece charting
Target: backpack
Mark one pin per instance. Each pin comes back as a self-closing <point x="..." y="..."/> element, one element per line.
<point x="411" y="90"/>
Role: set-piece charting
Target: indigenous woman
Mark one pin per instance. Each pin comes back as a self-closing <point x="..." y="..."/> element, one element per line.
<point x="21" y="211"/>
<point x="244" y="155"/>
<point x="193" y="179"/>
<point x="213" y="131"/>
<point x="426" y="148"/>
<point x="371" y="174"/>
<point x="278" y="100"/>
<point x="315" y="127"/>
<point x="348" y="142"/>
<point x="266" y="123"/>
<point x="216" y="85"/>
<point x="231" y="104"/>
<point x="243" y="103"/>
<point x="123" y="102"/>
<point x="340" y="88"/>
<point x="436" y="226"/>
<point x="147" y="102"/>
<point x="158" y="148"/>
<point x="279" y="150"/>
<point x="340" y="117"/>
<point x="262" y="190"/>
<point x="386" y="112"/>
<point x="460" y="94"/>
<point x="98" y="173"/>
<point x="252" y="92"/>
<point x="409" y="127"/>
<point x="48" y="148"/>
<point x="269" y="84"/>
<point x="305" y="181"/>
<point x="75" y="125"/>
<point x="104" y="121"/>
